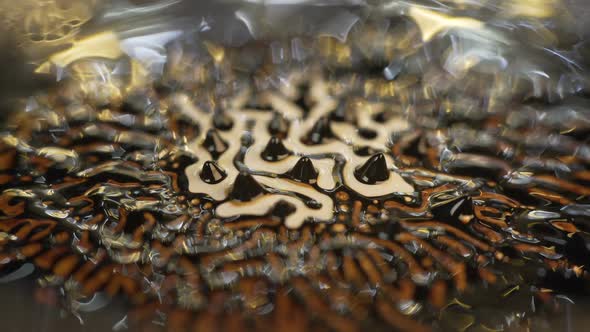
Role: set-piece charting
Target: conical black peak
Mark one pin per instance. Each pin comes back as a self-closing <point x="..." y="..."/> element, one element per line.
<point x="214" y="143"/>
<point x="320" y="131"/>
<point x="344" y="112"/>
<point x="212" y="173"/>
<point x="278" y="125"/>
<point x="245" y="188"/>
<point x="274" y="150"/>
<point x="303" y="171"/>
<point x="373" y="171"/>
<point x="222" y="121"/>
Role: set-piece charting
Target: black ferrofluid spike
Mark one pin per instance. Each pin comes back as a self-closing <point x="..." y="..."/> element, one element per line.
<point x="212" y="173"/>
<point x="222" y="121"/>
<point x="373" y="170"/>
<point x="303" y="171"/>
<point x="278" y="125"/>
<point x="275" y="150"/>
<point x="245" y="188"/>
<point x="321" y="130"/>
<point x="214" y="143"/>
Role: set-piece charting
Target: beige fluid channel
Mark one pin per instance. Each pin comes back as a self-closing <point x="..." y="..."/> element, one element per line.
<point x="299" y="127"/>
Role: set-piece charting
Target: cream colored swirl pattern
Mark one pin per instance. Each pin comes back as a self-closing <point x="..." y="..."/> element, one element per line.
<point x="322" y="156"/>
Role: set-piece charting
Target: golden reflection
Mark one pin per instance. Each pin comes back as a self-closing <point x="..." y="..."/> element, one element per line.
<point x="432" y="23"/>
<point x="102" y="45"/>
<point x="40" y="26"/>
<point x="532" y="8"/>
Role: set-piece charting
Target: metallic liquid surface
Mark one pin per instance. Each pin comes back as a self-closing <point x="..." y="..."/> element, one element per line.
<point x="413" y="171"/>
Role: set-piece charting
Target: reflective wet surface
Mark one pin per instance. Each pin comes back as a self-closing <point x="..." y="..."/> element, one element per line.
<point x="343" y="180"/>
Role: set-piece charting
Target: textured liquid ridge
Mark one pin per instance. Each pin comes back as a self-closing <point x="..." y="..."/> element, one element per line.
<point x="333" y="200"/>
<point x="387" y="230"/>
